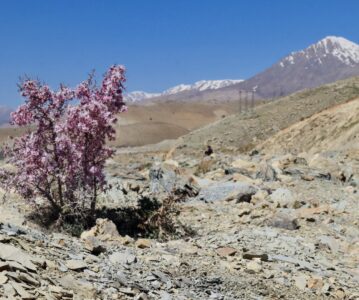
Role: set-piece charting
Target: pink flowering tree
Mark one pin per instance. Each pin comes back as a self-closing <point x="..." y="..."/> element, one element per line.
<point x="62" y="156"/>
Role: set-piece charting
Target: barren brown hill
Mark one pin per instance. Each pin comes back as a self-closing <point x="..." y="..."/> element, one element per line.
<point x="241" y="132"/>
<point x="152" y="123"/>
<point x="144" y="133"/>
<point x="155" y="122"/>
<point x="334" y="129"/>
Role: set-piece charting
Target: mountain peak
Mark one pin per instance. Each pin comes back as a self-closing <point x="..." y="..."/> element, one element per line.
<point x="341" y="48"/>
<point x="336" y="39"/>
<point x="334" y="47"/>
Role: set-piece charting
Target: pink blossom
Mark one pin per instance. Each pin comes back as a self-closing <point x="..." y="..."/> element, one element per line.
<point x="65" y="154"/>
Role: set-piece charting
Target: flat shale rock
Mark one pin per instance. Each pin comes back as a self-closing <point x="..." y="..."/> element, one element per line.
<point x="76" y="265"/>
<point x="226" y="251"/>
<point x="81" y="287"/>
<point x="122" y="258"/>
<point x="11" y="253"/>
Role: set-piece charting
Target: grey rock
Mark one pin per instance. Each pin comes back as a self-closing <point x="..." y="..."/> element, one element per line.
<point x="9" y="252"/>
<point x="21" y="291"/>
<point x="3" y="278"/>
<point x="283" y="197"/>
<point x="224" y="191"/>
<point x="63" y="267"/>
<point x="122" y="278"/>
<point x="122" y="258"/>
<point x="76" y="265"/>
<point x="266" y="172"/>
<point x="303" y="264"/>
<point x="329" y="242"/>
<point x="301" y="281"/>
<point x="82" y="288"/>
<point x="162" y="178"/>
<point x="284" y="221"/>
<point x="165" y="296"/>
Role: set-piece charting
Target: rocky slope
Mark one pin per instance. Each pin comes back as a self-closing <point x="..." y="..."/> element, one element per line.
<point x="281" y="223"/>
<point x="334" y="129"/>
<point x="265" y="229"/>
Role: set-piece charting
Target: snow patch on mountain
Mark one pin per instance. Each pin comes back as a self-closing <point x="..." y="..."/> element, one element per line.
<point x="331" y="46"/>
<point x="197" y="86"/>
<point x="139" y="96"/>
<point x="201" y="85"/>
<point x="343" y="49"/>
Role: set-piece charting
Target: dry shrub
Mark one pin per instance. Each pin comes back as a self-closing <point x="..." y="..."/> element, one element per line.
<point x="204" y="166"/>
<point x="163" y="223"/>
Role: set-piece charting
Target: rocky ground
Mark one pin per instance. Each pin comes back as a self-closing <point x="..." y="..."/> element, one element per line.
<point x="264" y="229"/>
<point x="277" y="222"/>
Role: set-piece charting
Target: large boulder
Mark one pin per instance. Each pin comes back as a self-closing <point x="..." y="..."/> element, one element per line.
<point x="227" y="191"/>
<point x="167" y="178"/>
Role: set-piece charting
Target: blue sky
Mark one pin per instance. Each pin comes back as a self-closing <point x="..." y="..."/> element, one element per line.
<point x="161" y="42"/>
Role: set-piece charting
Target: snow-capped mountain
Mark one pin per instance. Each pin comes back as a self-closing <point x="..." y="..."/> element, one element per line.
<point x="201" y="86"/>
<point x="139" y="96"/>
<point x="339" y="48"/>
<point x="331" y="59"/>
<point x="198" y="86"/>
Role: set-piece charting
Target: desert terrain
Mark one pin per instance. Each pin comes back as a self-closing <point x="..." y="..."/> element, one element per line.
<point x="271" y="214"/>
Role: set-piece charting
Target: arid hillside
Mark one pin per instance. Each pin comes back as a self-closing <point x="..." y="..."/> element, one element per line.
<point x="334" y="129"/>
<point x="241" y="132"/>
<point x="153" y="123"/>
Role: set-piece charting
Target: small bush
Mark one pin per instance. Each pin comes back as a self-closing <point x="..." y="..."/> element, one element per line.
<point x="163" y="222"/>
<point x="149" y="218"/>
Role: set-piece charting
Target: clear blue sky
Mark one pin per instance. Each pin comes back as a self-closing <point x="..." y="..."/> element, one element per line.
<point x="161" y="42"/>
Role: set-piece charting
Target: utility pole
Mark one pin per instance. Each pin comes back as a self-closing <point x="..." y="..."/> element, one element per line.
<point x="246" y="101"/>
<point x="240" y="101"/>
<point x="253" y="100"/>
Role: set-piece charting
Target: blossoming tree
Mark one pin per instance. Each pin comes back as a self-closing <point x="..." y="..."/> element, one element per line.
<point x="61" y="158"/>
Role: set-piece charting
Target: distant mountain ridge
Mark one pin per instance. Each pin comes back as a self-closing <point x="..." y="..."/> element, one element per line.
<point x="330" y="59"/>
<point x="198" y="86"/>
